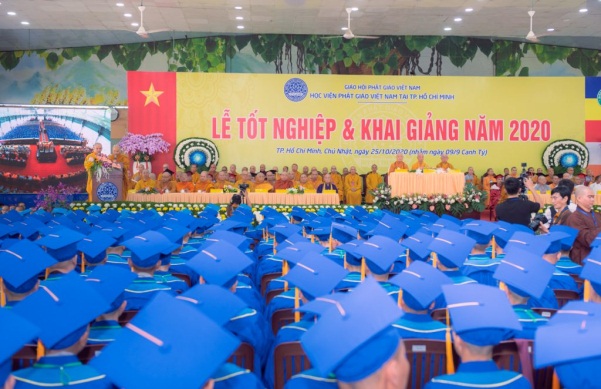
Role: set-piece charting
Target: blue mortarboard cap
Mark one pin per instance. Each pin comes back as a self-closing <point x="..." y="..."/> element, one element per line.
<point x="421" y="284"/>
<point x="380" y="252"/>
<point x="319" y="222"/>
<point x="230" y="225"/>
<point x="26" y="212"/>
<point x="61" y="309"/>
<point x="29" y="228"/>
<point x="481" y="315"/>
<point x="149" y="352"/>
<point x="502" y="233"/>
<point x="315" y="275"/>
<point x="240" y="241"/>
<point x="11" y="217"/>
<point x="212" y="208"/>
<point x="42" y="215"/>
<point x="452" y="247"/>
<point x="592" y="269"/>
<point x="321" y="305"/>
<point x="284" y="230"/>
<point x="441" y="224"/>
<point x="185" y="219"/>
<point x="147" y="248"/>
<point x="94" y="246"/>
<point x="219" y="263"/>
<point x="254" y="233"/>
<point x="573" y="349"/>
<point x="59" y="211"/>
<point x="479" y="230"/>
<point x="343" y="233"/>
<point x="576" y="311"/>
<point x="535" y="244"/>
<point x="568" y="241"/>
<point x="354" y="338"/>
<point x="218" y="303"/>
<point x="418" y="245"/>
<point x="110" y="214"/>
<point x="82" y="227"/>
<point x="94" y="208"/>
<point x="5" y="230"/>
<point x="427" y="216"/>
<point x="298" y="213"/>
<point x="555" y="239"/>
<point x="452" y="219"/>
<point x="297" y="251"/>
<point x="21" y="263"/>
<point x="15" y="332"/>
<point x="174" y="232"/>
<point x="292" y="240"/>
<point x="414" y="225"/>
<point x="321" y="233"/>
<point x="525" y="274"/>
<point x="390" y="227"/>
<point x="110" y="282"/>
<point x="61" y="244"/>
<point x="352" y="256"/>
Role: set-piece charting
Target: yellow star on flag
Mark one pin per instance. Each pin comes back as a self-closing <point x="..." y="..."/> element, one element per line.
<point x="152" y="96"/>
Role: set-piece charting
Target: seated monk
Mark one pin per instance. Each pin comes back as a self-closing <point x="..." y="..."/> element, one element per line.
<point x="420" y="164"/>
<point x="444" y="163"/>
<point x="146" y="183"/>
<point x="244" y="178"/>
<point x="204" y="184"/>
<point x="261" y="184"/>
<point x="185" y="184"/>
<point x="315" y="179"/>
<point x="283" y="182"/>
<point x="304" y="182"/>
<point x="398" y="164"/>
<point x="195" y="175"/>
<point x="327" y="184"/>
<point x="165" y="184"/>
<point x="221" y="181"/>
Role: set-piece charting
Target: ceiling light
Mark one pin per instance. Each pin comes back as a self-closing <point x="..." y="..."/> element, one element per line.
<point x="354" y="9"/>
<point x="457" y="19"/>
<point x="469" y="9"/>
<point x="550" y="29"/>
<point x="239" y="17"/>
<point x="127" y="15"/>
<point x="582" y="10"/>
<point x="240" y="27"/>
<point x="134" y="24"/>
<point x="447" y="28"/>
<point x="344" y="28"/>
<point x="120" y="5"/>
<point x="238" y="7"/>
<point x="11" y="13"/>
<point x="25" y="23"/>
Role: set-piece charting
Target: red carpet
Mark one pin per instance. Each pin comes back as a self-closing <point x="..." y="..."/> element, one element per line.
<point x="43" y="169"/>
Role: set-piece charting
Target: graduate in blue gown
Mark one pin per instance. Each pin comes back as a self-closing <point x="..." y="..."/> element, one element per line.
<point x="482" y="317"/>
<point x="478" y="265"/>
<point x="61" y="244"/>
<point x="420" y="285"/>
<point x="62" y="311"/>
<point x="15" y="332"/>
<point x="565" y="263"/>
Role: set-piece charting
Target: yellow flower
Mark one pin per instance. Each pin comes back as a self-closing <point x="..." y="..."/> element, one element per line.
<point x="119" y="209"/>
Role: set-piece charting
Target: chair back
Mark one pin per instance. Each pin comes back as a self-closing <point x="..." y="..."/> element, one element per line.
<point x="427" y="359"/>
<point x="289" y="359"/>
<point x="563" y="296"/>
<point x="244" y="356"/>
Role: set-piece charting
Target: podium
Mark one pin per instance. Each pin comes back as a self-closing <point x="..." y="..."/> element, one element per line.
<point x="109" y="188"/>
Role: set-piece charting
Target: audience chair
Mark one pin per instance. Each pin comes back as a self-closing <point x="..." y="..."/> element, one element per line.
<point x="563" y="296"/>
<point x="244" y="356"/>
<point x="289" y="359"/>
<point x="427" y="359"/>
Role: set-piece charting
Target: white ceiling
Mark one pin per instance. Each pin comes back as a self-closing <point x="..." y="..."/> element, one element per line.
<point x="71" y="23"/>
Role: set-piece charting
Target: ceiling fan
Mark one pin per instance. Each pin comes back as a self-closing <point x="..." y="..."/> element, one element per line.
<point x="348" y="34"/>
<point x="141" y="30"/>
<point x="531" y="35"/>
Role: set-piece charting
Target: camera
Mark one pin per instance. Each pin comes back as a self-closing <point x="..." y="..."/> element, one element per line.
<point x="535" y="223"/>
<point x="523" y="176"/>
<point x="243" y="187"/>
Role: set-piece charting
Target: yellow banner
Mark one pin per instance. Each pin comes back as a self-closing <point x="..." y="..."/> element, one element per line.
<point x="324" y="120"/>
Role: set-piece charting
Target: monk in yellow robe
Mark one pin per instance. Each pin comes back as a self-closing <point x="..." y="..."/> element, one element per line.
<point x="204" y="184"/>
<point x="221" y="180"/>
<point x="420" y="164"/>
<point x="244" y="179"/>
<point x="304" y="182"/>
<point x="195" y="175"/>
<point x="261" y="184"/>
<point x="185" y="184"/>
<point x="444" y="163"/>
<point x="117" y="157"/>
<point x="372" y="180"/>
<point x="166" y="184"/>
<point x="91" y="158"/>
<point x="338" y="181"/>
<point x="398" y="164"/>
<point x="146" y="183"/>
<point x="353" y="185"/>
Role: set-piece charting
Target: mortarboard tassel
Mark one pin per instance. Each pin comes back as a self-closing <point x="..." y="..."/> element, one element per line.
<point x="2" y="295"/>
<point x="555" y="381"/>
<point x="330" y="244"/>
<point x="40" y="350"/>
<point x="502" y="286"/>
<point x="449" y="347"/>
<point x="312" y="238"/>
<point x="400" y="297"/>
<point x="47" y="274"/>
<point x="344" y="262"/>
<point x="434" y="260"/>
<point x="407" y="259"/>
<point x="296" y="305"/>
<point x="285" y="269"/>
<point x="362" y="268"/>
<point x="304" y="232"/>
<point x="83" y="264"/>
<point x="587" y="291"/>
<point x="494" y="248"/>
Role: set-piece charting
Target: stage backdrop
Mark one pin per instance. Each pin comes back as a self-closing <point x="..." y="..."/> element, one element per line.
<point x="324" y="120"/>
<point x="44" y="145"/>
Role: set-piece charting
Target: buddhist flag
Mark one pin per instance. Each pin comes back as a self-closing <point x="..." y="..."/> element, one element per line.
<point x="152" y="98"/>
<point x="592" y="112"/>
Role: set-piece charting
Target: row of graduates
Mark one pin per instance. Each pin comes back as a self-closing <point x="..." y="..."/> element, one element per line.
<point x="311" y="272"/>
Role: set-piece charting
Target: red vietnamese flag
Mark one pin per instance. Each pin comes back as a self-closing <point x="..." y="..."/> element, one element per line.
<point x="152" y="98"/>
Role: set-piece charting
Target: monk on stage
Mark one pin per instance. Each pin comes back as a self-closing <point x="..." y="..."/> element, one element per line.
<point x="353" y="185"/>
<point x="338" y="181"/>
<point x="122" y="160"/>
<point x="398" y="164"/>
<point x="204" y="184"/>
<point x="261" y="184"/>
<point x="185" y="184"/>
<point x="420" y="164"/>
<point x="444" y="163"/>
<point x="166" y="184"/>
<point x="372" y="180"/>
<point x="95" y="155"/>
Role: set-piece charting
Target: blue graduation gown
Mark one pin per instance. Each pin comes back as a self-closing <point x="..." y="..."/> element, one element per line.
<point x="166" y="278"/>
<point x="60" y="370"/>
<point x="310" y="379"/>
<point x="566" y="265"/>
<point x="351" y="280"/>
<point x="104" y="331"/>
<point x="230" y="376"/>
<point x="284" y="300"/>
<point x="480" y="267"/>
<point x="529" y="320"/>
<point x="250" y="296"/>
<point x="142" y="290"/>
<point x="547" y="300"/>
<point x="458" y="279"/>
<point x="250" y="327"/>
<point x="115" y="259"/>
<point x="418" y="326"/>
<point x="480" y="375"/>
<point x="561" y="280"/>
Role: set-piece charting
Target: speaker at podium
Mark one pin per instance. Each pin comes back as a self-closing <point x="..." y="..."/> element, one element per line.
<point x="109" y="187"/>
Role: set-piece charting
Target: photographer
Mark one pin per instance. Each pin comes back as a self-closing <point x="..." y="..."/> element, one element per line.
<point x="233" y="205"/>
<point x="517" y="209"/>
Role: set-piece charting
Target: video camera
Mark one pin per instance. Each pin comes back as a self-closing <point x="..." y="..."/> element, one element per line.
<point x="523" y="176"/>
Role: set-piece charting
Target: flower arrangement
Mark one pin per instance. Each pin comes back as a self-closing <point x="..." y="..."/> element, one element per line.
<point x="471" y="200"/>
<point x="149" y="190"/>
<point x="565" y="153"/>
<point x="295" y="190"/>
<point x="55" y="196"/>
<point x="230" y="189"/>
<point x="101" y="167"/>
<point x="144" y="144"/>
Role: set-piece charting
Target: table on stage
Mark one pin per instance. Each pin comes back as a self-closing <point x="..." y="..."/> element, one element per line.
<point x="410" y="183"/>
<point x="224" y="198"/>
